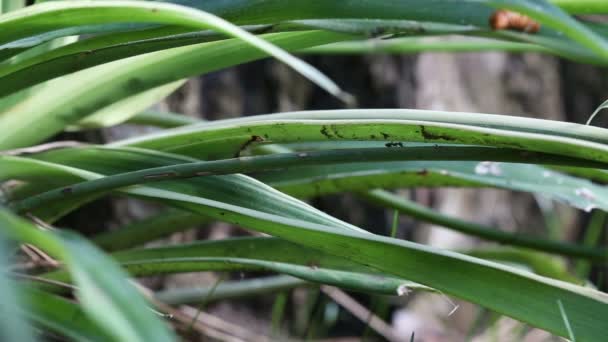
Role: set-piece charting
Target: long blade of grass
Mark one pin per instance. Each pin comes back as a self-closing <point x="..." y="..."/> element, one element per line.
<point x="502" y="40"/>
<point x="465" y="12"/>
<point x="122" y="110"/>
<point x="13" y="327"/>
<point x="103" y="49"/>
<point x="268" y="254"/>
<point x="18" y="46"/>
<point x="42" y="17"/>
<point x="95" y="188"/>
<point x="597" y="111"/>
<point x="469" y="12"/>
<point x="516" y="123"/>
<point x="312" y="181"/>
<point x="582" y="6"/>
<point x="562" y="187"/>
<point x="149" y="229"/>
<point x="60" y="316"/>
<point x="90" y="90"/>
<point x="461" y="276"/>
<point x="410" y="45"/>
<point x="389" y="200"/>
<point x="230" y="290"/>
<point x="210" y="141"/>
<point x="176" y="221"/>
<point x="235" y="189"/>
<point x="161" y="119"/>
<point x="464" y="277"/>
<point x="496" y="121"/>
<point x="106" y="296"/>
<point x="539" y="263"/>
<point x="593" y="233"/>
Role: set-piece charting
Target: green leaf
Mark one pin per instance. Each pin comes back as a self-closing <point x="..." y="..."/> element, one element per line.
<point x="229" y="290"/>
<point x="582" y="6"/>
<point x="121" y="111"/>
<point x="13" y="48"/>
<point x="210" y="140"/>
<point x="386" y="199"/>
<point x="88" y="91"/>
<point x="106" y="296"/>
<point x="511" y="292"/>
<point x="503" y="289"/>
<point x="555" y="22"/>
<point x="158" y="226"/>
<point x="597" y="111"/>
<point x="162" y="119"/>
<point x="237" y="189"/>
<point x="192" y="168"/>
<point x="506" y="41"/>
<point x="423" y="44"/>
<point x="45" y="16"/>
<point x="13" y="327"/>
<point x="60" y="315"/>
<point x="540" y="263"/>
<point x="503" y="40"/>
<point x="320" y="180"/>
<point x="149" y="229"/>
<point x="95" y="51"/>
<point x="256" y="254"/>
<point x="497" y="121"/>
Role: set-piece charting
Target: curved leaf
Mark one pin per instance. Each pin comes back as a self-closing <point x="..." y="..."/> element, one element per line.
<point x="58" y="14"/>
<point x="496" y="121"/>
<point x="320" y="180"/>
<point x="61" y="316"/>
<point x="511" y="292"/>
<point x="267" y="254"/>
<point x="229" y="290"/>
<point x="149" y="229"/>
<point x="106" y="296"/>
<point x="207" y="141"/>
<point x="90" y="90"/>
<point x="237" y="189"/>
<point x="514" y="293"/>
<point x="12" y="327"/>
<point x="388" y="200"/>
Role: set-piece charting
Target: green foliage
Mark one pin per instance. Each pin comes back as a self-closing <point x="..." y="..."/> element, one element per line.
<point x="131" y="54"/>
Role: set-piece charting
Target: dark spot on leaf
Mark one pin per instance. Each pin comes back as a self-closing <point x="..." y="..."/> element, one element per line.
<point x="253" y="139"/>
<point x="336" y="132"/>
<point x="314" y="264"/>
<point x="325" y="132"/>
<point x="160" y="175"/>
<point x="434" y="136"/>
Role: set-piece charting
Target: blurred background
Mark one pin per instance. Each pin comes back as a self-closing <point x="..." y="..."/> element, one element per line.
<point x="516" y="84"/>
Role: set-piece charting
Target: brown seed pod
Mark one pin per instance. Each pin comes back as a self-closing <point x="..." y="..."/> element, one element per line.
<point x="507" y="20"/>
